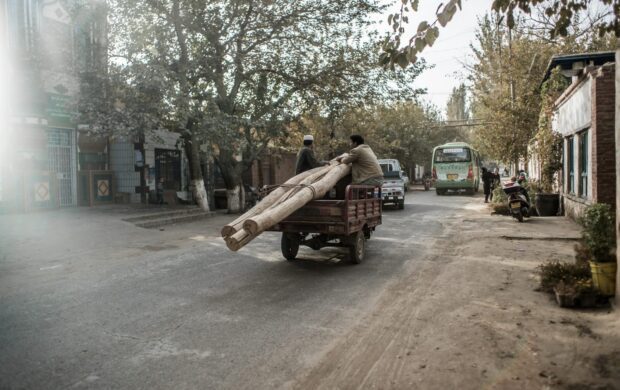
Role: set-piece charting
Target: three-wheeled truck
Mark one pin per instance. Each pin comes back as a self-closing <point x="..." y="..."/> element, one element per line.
<point x="346" y="220"/>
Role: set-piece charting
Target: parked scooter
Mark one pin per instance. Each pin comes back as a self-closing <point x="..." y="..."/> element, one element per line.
<point x="518" y="201"/>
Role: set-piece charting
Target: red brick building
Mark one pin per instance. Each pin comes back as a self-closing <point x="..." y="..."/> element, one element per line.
<point x="585" y="116"/>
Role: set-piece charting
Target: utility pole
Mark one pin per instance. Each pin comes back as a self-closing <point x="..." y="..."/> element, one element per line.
<point x="512" y="92"/>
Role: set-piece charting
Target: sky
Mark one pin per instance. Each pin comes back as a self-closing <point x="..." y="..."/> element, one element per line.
<point x="450" y="50"/>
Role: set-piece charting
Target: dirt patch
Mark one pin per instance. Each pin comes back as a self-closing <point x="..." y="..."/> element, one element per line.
<point x="583" y="329"/>
<point x="473" y="320"/>
<point x="607" y="364"/>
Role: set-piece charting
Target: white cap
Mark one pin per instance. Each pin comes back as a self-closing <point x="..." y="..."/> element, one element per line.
<point x="308" y="137"/>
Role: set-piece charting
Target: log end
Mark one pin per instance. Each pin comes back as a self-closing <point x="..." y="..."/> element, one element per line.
<point x="228" y="231"/>
<point x="232" y="244"/>
<point x="251" y="226"/>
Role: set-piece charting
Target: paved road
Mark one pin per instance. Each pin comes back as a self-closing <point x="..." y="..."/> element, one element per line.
<point x="89" y="301"/>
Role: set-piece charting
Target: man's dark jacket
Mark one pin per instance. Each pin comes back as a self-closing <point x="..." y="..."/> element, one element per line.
<point x="305" y="160"/>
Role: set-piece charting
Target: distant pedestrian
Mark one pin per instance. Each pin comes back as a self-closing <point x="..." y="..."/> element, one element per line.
<point x="160" y="190"/>
<point x="487" y="179"/>
<point x="496" y="182"/>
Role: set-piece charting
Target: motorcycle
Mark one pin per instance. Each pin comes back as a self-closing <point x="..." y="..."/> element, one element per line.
<point x="427" y="183"/>
<point x="518" y="202"/>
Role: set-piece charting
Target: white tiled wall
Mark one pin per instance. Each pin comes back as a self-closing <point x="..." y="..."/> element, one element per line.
<point x="122" y="161"/>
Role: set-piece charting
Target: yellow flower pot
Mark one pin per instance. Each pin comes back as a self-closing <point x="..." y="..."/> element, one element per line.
<point x="604" y="277"/>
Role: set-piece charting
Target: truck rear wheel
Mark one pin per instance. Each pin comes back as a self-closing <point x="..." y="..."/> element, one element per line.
<point x="357" y="251"/>
<point x="290" y="245"/>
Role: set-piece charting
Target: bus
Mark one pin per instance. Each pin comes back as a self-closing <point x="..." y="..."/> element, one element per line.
<point x="456" y="167"/>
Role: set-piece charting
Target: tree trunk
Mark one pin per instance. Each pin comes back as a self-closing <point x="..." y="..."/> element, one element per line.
<point x="235" y="199"/>
<point x="197" y="183"/>
<point x="230" y="168"/>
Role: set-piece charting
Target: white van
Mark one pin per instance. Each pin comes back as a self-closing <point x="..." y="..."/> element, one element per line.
<point x="389" y="165"/>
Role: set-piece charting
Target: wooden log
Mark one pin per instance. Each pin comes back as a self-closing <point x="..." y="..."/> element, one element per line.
<point x="238" y="240"/>
<point x="236" y="225"/>
<point x="259" y="223"/>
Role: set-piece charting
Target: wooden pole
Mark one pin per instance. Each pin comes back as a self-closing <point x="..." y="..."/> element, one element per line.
<point x="259" y="223"/>
<point x="234" y="226"/>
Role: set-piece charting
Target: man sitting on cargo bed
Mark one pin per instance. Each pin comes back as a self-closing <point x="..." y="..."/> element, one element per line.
<point x="365" y="167"/>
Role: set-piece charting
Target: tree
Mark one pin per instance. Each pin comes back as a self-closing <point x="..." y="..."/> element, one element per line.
<point x="407" y="131"/>
<point x="456" y="109"/>
<point x="505" y="79"/>
<point x="232" y="74"/>
<point x="561" y="14"/>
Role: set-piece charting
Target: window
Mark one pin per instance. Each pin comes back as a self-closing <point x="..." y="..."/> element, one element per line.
<point x="89" y="39"/>
<point x="23" y="24"/>
<point x="583" y="163"/>
<point x="571" y="165"/>
<point x="453" y="155"/>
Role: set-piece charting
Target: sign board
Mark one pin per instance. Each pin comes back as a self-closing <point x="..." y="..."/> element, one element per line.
<point x="59" y="110"/>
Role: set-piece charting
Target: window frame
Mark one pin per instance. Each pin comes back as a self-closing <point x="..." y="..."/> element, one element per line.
<point x="584" y="159"/>
<point x="570" y="168"/>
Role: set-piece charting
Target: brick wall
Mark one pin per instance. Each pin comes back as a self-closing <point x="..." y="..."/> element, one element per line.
<point x="603" y="136"/>
<point x="271" y="169"/>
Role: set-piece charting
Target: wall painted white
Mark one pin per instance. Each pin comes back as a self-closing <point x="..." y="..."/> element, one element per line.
<point x="575" y="113"/>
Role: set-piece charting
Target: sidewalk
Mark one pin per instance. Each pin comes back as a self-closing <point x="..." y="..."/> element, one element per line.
<point x="471" y="318"/>
<point x="94" y="233"/>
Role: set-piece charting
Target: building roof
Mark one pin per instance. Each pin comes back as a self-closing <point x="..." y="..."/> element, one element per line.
<point x="567" y="61"/>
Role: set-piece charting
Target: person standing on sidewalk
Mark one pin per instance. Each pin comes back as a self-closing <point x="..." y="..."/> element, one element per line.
<point x="487" y="179"/>
<point x="365" y="167"/>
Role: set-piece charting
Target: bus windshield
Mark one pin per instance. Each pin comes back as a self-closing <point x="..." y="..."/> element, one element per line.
<point x="452" y="155"/>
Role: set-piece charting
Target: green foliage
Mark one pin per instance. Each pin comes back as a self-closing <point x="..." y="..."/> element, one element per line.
<point x="407" y="131"/>
<point x="456" y="108"/>
<point x="234" y="75"/>
<point x="554" y="272"/>
<point x="499" y="196"/>
<point x="599" y="232"/>
<point x="547" y="143"/>
<point x="559" y="18"/>
<point x="426" y="35"/>
<point x="504" y="88"/>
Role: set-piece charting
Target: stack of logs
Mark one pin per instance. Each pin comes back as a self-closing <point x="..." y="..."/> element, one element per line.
<point x="282" y="202"/>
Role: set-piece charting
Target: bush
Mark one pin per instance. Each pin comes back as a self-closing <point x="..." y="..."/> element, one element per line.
<point x="599" y="232"/>
<point x="499" y="196"/>
<point x="554" y="272"/>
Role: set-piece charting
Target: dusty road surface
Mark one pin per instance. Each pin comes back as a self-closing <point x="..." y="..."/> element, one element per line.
<point x="444" y="300"/>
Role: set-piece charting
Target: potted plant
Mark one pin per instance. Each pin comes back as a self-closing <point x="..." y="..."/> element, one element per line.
<point x="598" y="240"/>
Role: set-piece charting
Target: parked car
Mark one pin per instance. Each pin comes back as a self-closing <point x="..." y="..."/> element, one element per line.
<point x="393" y="189"/>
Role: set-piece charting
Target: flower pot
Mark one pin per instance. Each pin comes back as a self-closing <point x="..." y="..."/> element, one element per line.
<point x="604" y="277"/>
<point x="563" y="298"/>
<point x="547" y="205"/>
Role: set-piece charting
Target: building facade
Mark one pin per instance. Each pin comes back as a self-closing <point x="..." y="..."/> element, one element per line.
<point x="585" y="117"/>
<point x="46" y="46"/>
